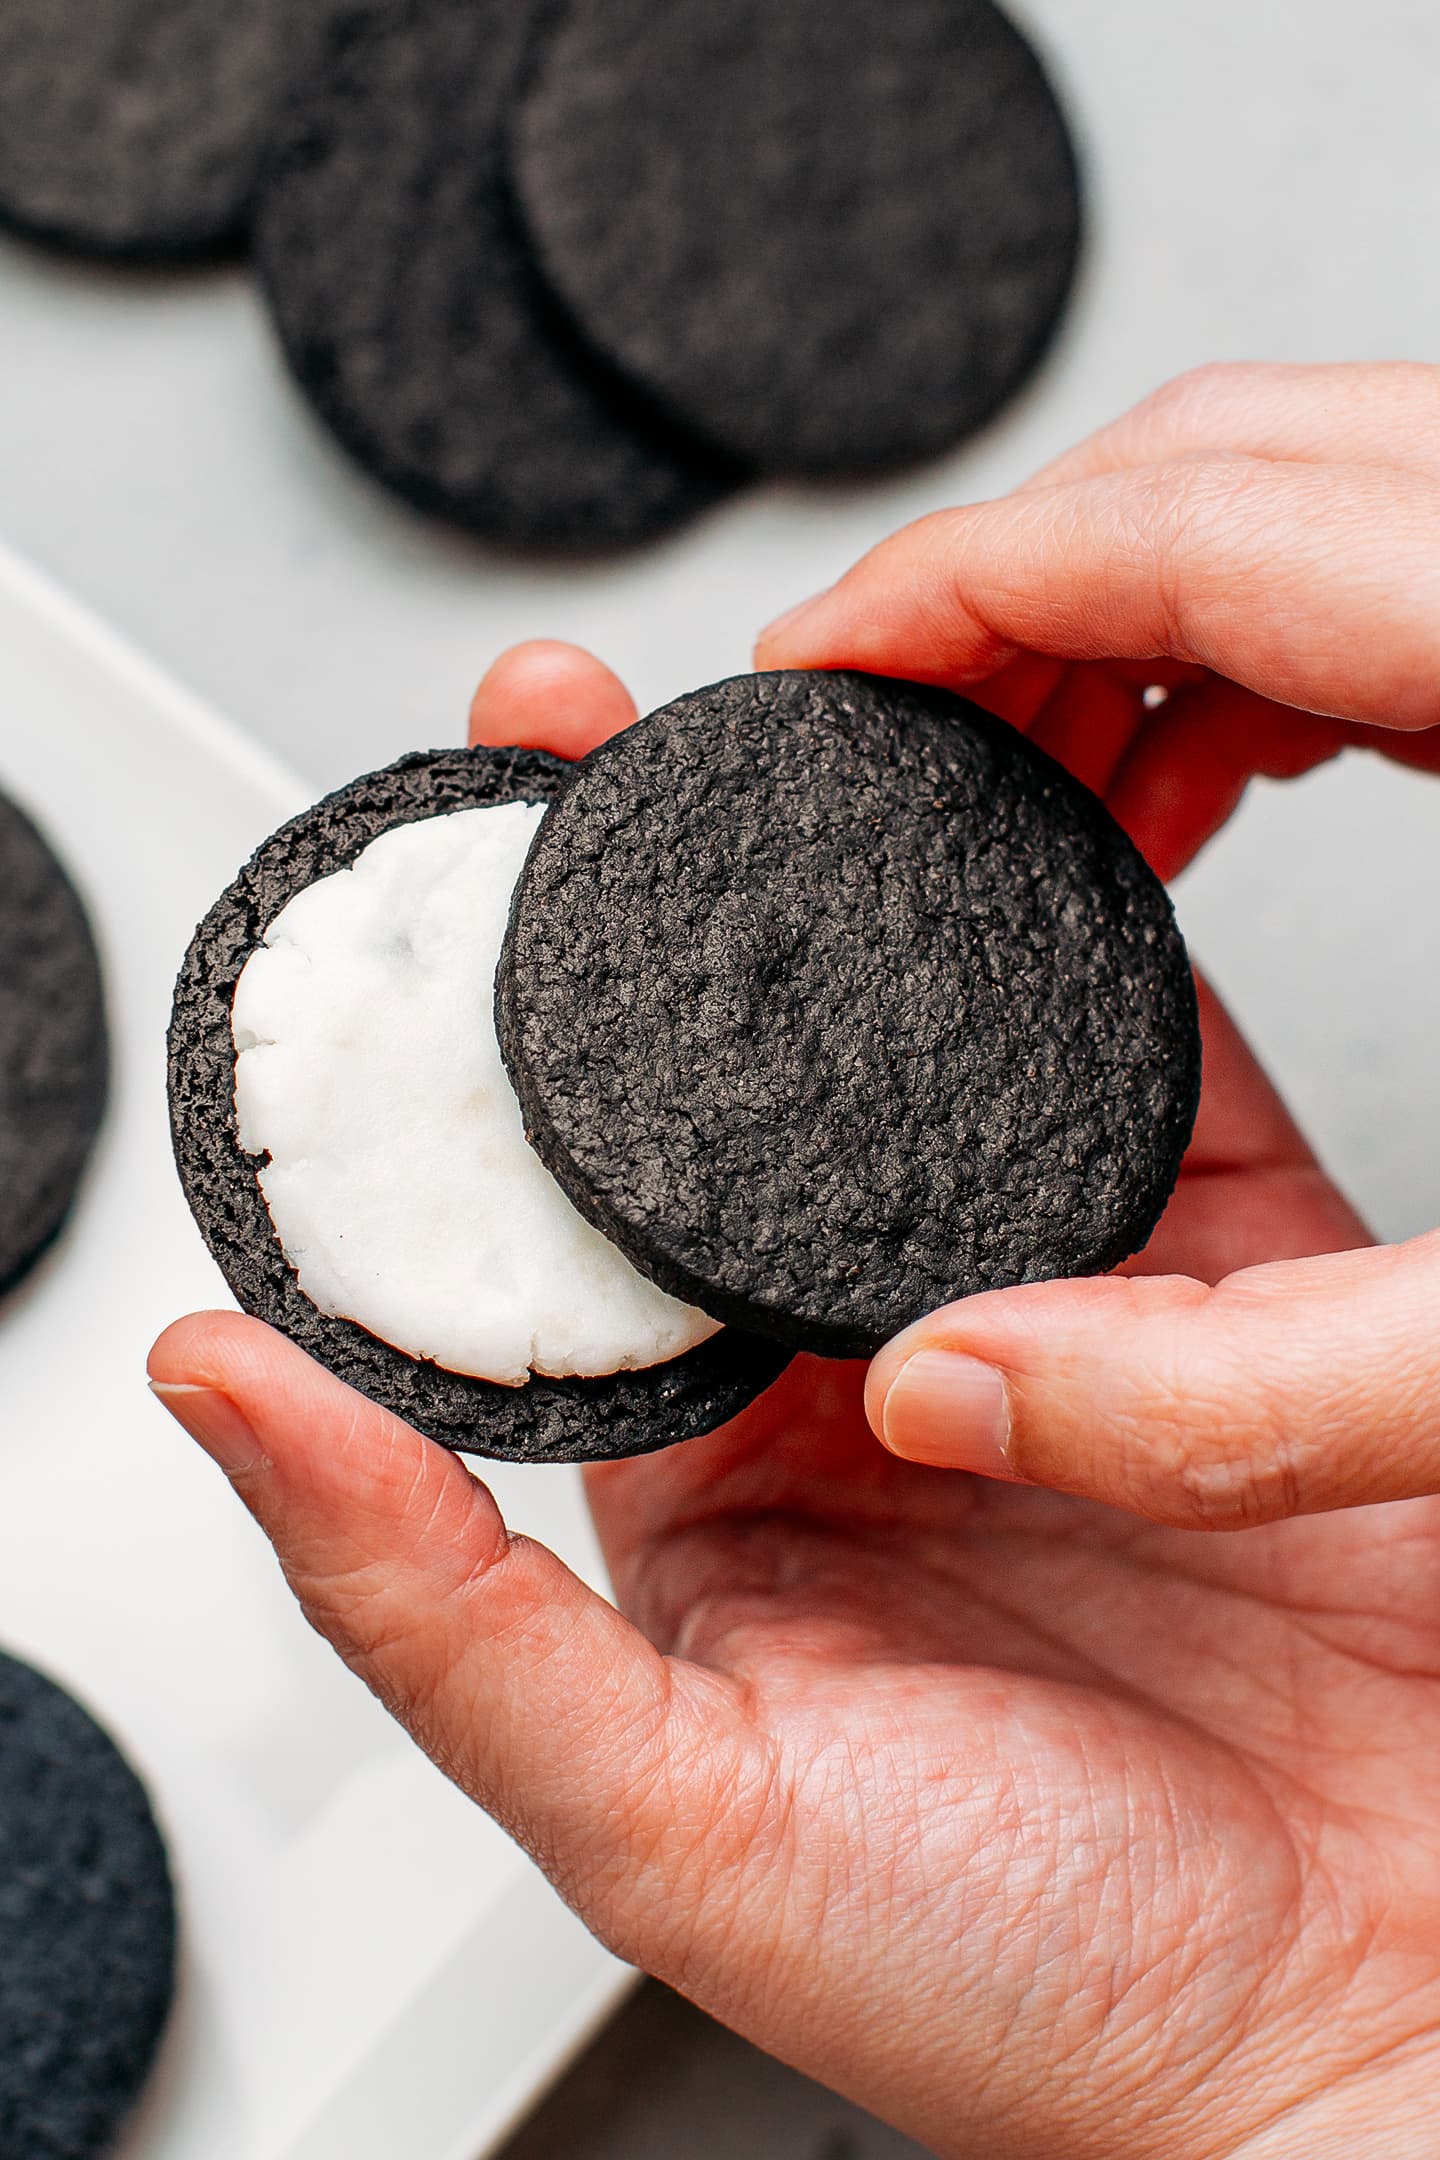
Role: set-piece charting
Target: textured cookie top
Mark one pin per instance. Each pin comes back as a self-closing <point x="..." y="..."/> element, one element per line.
<point x="137" y="127"/>
<point x="53" y="1056"/>
<point x="830" y="236"/>
<point x="87" y="1926"/>
<point x="548" y="1420"/>
<point x="830" y="999"/>
<point x="403" y="292"/>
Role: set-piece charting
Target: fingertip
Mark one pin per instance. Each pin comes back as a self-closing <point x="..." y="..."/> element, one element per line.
<point x="908" y="608"/>
<point x="785" y="642"/>
<point x="315" y="1432"/>
<point x="884" y="1370"/>
<point x="947" y="1327"/>
<point x="950" y="1412"/>
<point x="548" y="695"/>
<point x="956" y="1365"/>
<point x="929" y="1400"/>
<point x="204" y="1347"/>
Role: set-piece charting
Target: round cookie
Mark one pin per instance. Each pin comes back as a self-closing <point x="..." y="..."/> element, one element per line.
<point x="880" y="1008"/>
<point x="137" y="127"/>
<point x="53" y="1053"/>
<point x="547" y="1420"/>
<point x="87" y="1926"/>
<point x="406" y="302"/>
<point x="829" y="238"/>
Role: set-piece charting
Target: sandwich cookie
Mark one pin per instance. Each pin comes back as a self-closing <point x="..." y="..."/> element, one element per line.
<point x="827" y="238"/>
<point x="53" y="1049"/>
<point x="352" y="1151"/>
<point x="879" y="1007"/>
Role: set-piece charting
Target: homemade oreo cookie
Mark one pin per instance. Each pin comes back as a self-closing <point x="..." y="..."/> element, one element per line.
<point x="548" y="1419"/>
<point x="826" y="238"/>
<point x="403" y="291"/>
<point x="87" y="1926"/>
<point x="53" y="1053"/>
<point x="879" y="1008"/>
<point x="137" y="127"/>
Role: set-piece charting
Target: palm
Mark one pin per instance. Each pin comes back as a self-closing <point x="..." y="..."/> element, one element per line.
<point x="1207" y="1760"/>
<point x="1137" y="1772"/>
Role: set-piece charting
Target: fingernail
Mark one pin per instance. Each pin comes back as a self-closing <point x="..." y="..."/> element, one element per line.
<point x="790" y="618"/>
<point x="951" y="1411"/>
<point x="226" y="1435"/>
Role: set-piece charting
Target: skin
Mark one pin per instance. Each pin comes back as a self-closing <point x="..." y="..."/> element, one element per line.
<point x="1016" y="1807"/>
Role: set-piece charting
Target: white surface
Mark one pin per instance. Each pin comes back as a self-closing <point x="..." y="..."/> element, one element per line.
<point x="400" y="1180"/>
<point x="1264" y="181"/>
<point x="371" y="1970"/>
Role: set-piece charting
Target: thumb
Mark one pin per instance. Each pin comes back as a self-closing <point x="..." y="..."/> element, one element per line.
<point x="1284" y="1390"/>
<point x="597" y="1754"/>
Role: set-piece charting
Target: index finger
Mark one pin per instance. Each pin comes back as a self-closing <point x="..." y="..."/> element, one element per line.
<point x="1342" y="413"/>
<point x="1315" y="587"/>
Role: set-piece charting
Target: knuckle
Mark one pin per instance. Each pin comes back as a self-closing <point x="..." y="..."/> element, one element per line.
<point x="1234" y="1488"/>
<point x="1206" y="1469"/>
<point x="1198" y="395"/>
<point x="1190" y="521"/>
<point x="1209" y="1454"/>
<point x="351" y="1608"/>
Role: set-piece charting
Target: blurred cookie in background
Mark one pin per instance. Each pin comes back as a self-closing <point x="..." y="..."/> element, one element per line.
<point x="136" y="127"/>
<point x="828" y="239"/>
<point x="403" y="291"/>
<point x="87" y="1926"/>
<point x="53" y="1044"/>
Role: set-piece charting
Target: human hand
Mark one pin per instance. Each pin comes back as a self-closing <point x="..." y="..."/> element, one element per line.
<point x="1263" y="543"/>
<point x="1037" y="1829"/>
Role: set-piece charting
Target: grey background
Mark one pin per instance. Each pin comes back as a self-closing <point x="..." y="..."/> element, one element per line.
<point x="1264" y="182"/>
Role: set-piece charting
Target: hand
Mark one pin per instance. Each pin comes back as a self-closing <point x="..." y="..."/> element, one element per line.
<point x="1263" y="543"/>
<point x="1036" y="1829"/>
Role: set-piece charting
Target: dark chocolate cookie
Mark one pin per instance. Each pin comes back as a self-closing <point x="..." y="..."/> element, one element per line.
<point x="53" y="1055"/>
<point x="829" y="238"/>
<point x="87" y="1926"/>
<point x="405" y="299"/>
<point x="137" y="127"/>
<point x="880" y="1007"/>
<point x="548" y="1420"/>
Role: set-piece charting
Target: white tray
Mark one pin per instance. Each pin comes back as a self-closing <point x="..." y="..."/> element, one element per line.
<point x="371" y="1970"/>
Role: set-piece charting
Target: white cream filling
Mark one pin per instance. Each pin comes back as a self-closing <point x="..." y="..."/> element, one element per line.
<point x="399" y="1180"/>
